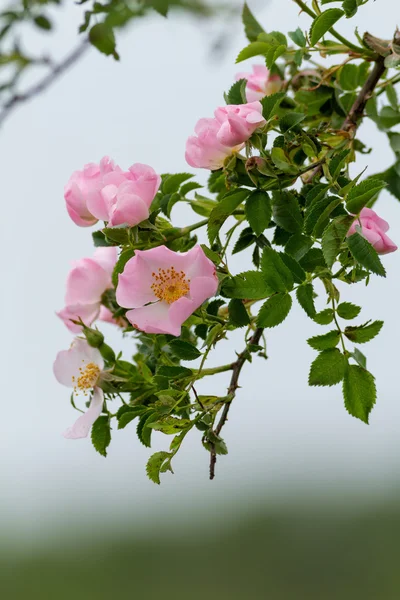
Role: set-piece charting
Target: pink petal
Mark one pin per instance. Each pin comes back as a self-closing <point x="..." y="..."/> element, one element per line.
<point x="134" y="284"/>
<point x="86" y="283"/>
<point x="201" y="289"/>
<point x="129" y="209"/>
<point x="88" y="313"/>
<point x="82" y="426"/>
<point x="67" y="363"/>
<point x="153" y="318"/>
<point x="371" y="214"/>
<point x="106" y="258"/>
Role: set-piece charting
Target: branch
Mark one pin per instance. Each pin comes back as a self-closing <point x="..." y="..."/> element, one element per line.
<point x="45" y="83"/>
<point x="234" y="384"/>
<point x="357" y="110"/>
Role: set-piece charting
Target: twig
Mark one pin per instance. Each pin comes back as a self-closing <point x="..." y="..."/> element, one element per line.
<point x="234" y="384"/>
<point x="357" y="110"/>
<point x="44" y="83"/>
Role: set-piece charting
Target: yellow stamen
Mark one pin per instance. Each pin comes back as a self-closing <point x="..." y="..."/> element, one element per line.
<point x="170" y="285"/>
<point x="87" y="379"/>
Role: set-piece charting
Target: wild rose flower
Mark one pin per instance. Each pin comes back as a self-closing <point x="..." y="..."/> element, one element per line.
<point x="163" y="288"/>
<point x="260" y="83"/>
<point x="238" y="122"/>
<point x="80" y="368"/>
<point x="84" y="185"/>
<point x="204" y="151"/>
<point x="126" y="197"/>
<point x="86" y="283"/>
<point x="374" y="229"/>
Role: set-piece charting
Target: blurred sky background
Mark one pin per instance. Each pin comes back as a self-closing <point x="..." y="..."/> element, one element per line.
<point x="287" y="442"/>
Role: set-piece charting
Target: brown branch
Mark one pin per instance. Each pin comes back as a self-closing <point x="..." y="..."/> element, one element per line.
<point x="233" y="386"/>
<point x="44" y="83"/>
<point x="357" y="110"/>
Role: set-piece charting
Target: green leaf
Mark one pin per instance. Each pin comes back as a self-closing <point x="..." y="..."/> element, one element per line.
<point x="101" y="434"/>
<point x="274" y="311"/>
<point x="360" y="358"/>
<point x="252" y="27"/>
<point x="238" y="314"/>
<point x="273" y="54"/>
<point x="155" y="463"/>
<point x="223" y="210"/>
<point x="281" y="161"/>
<point x="290" y="121"/>
<point x="359" y="392"/>
<point x="298" y="246"/>
<point x="305" y="297"/>
<point x="172" y="183"/>
<point x="333" y="237"/>
<point x="350" y="8"/>
<point x="184" y="350"/>
<point x="144" y="432"/>
<point x="102" y="37"/>
<point x="258" y="211"/>
<point x="338" y="163"/>
<point x="189" y="187"/>
<point x="100" y="240"/>
<point x="323" y="342"/>
<point x="297" y="271"/>
<point x="328" y="368"/>
<point x="253" y="49"/>
<point x="126" y="414"/>
<point x="120" y="264"/>
<point x="174" y="372"/>
<point x="324" y="317"/>
<point x="286" y="212"/>
<point x="314" y="212"/>
<point x="249" y="285"/>
<point x="298" y="37"/>
<point x="347" y="310"/>
<point x="365" y="254"/>
<point x="275" y="272"/>
<point x="246" y="239"/>
<point x="361" y="194"/>
<point x="313" y="260"/>
<point x="203" y="206"/>
<point x="363" y="333"/>
<point x="237" y="93"/>
<point x="43" y="22"/>
<point x="323" y="23"/>
<point x="117" y="235"/>
<point x="348" y="77"/>
<point x="392" y="96"/>
<point x="270" y="104"/>
<point x="170" y="425"/>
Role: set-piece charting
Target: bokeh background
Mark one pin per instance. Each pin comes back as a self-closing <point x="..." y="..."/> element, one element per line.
<point x="306" y="503"/>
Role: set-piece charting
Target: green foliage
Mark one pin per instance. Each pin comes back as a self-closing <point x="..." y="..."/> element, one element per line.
<point x="326" y="341"/>
<point x="156" y="463"/>
<point x="359" y="392"/>
<point x="101" y="434"/>
<point x="305" y="297"/>
<point x="237" y="93"/>
<point x="361" y="194"/>
<point x="238" y="314"/>
<point x="365" y="254"/>
<point x="252" y="27"/>
<point x="275" y="310"/>
<point x="223" y="210"/>
<point x="184" y="350"/>
<point x="102" y="37"/>
<point x="347" y="310"/>
<point x="286" y="212"/>
<point x="328" y="368"/>
<point x="298" y="37"/>
<point x="363" y="333"/>
<point x="258" y="211"/>
<point x="333" y="238"/>
<point x="276" y="274"/>
<point x="250" y="285"/>
<point x="323" y="23"/>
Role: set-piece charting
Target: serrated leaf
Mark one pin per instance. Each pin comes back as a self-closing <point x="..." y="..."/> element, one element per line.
<point x="305" y="297"/>
<point x="359" y="392"/>
<point x="101" y="434"/>
<point x="323" y="23"/>
<point x="172" y="183"/>
<point x="314" y="211"/>
<point x="299" y="275"/>
<point x="170" y="425"/>
<point x="276" y="274"/>
<point x="338" y="163"/>
<point x="155" y="463"/>
<point x="270" y="104"/>
<point x="365" y="254"/>
<point x="223" y="210"/>
<point x="184" y="350"/>
<point x="245" y="239"/>
<point x="348" y="77"/>
<point x="238" y="315"/>
<point x="252" y="27"/>
<point x="213" y="256"/>
<point x="174" y="372"/>
<point x="363" y="333"/>
<point x="281" y="161"/>
<point x="120" y="264"/>
<point x="298" y="37"/>
<point x="126" y="414"/>
<point x="313" y="260"/>
<point x="118" y="235"/>
<point x="290" y="121"/>
<point x="102" y="37"/>
<point x="248" y="285"/>
<point x="350" y="8"/>
<point x="361" y="194"/>
<point x="360" y="358"/>
<point x="347" y="310"/>
<point x="298" y="246"/>
<point x="324" y="317"/>
<point x="237" y="93"/>
<point x="325" y="341"/>
<point x="253" y="49"/>
<point x="273" y="54"/>
<point x="323" y="218"/>
<point x="258" y="211"/>
<point x="274" y="311"/>
<point x="144" y="432"/>
<point x="286" y="211"/>
<point x="328" y="368"/>
<point x="333" y="237"/>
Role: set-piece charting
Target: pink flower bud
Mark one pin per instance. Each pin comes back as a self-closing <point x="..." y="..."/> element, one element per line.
<point x="373" y="229"/>
<point x="260" y="83"/>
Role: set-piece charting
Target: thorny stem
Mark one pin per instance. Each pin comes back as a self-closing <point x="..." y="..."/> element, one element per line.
<point x="234" y="384"/>
<point x="338" y="326"/>
<point x="214" y="370"/>
<point x="55" y="72"/>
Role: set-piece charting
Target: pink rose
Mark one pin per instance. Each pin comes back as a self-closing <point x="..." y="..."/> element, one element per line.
<point x="125" y="198"/>
<point x="163" y="288"/>
<point x="260" y="83"/>
<point x="81" y="186"/>
<point x="86" y="283"/>
<point x="80" y="368"/>
<point x="238" y="122"/>
<point x="204" y="151"/>
<point x="374" y="229"/>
